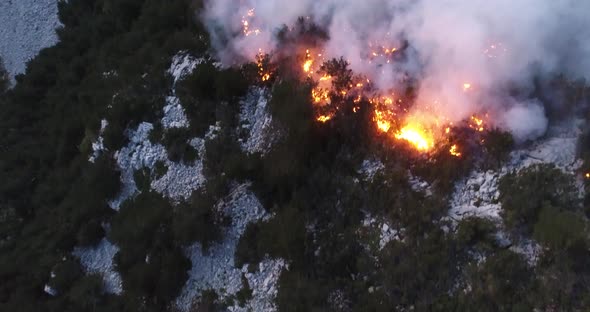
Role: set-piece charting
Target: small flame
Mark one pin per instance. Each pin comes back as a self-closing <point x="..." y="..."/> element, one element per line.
<point x="246" y="24"/>
<point x="262" y="72"/>
<point x="323" y="118"/>
<point x="307" y="66"/>
<point x="466" y="86"/>
<point x="477" y="124"/>
<point x="454" y="151"/>
<point x="308" y="62"/>
<point x="320" y="95"/>
<point x="382" y="123"/>
<point x="587" y="175"/>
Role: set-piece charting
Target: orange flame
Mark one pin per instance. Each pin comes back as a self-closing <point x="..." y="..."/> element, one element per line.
<point x="307" y="66"/>
<point x="477" y="124"/>
<point x="262" y="72"/>
<point x="323" y="118"/>
<point x="308" y="62"/>
<point x="454" y="151"/>
<point x="382" y="123"/>
<point x="417" y="136"/>
<point x="320" y="95"/>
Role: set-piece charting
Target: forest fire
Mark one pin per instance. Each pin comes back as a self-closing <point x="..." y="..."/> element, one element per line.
<point x="382" y="123"/>
<point x="333" y="86"/>
<point x="454" y="151"/>
<point x="308" y="62"/>
<point x="416" y="136"/>
<point x="477" y="124"/>
<point x="477" y="67"/>
<point x="424" y="131"/>
<point x="263" y="72"/>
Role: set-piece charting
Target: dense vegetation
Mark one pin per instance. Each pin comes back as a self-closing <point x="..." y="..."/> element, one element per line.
<point x="111" y="63"/>
<point x="110" y="54"/>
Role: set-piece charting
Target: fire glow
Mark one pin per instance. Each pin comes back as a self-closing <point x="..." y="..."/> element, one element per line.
<point x="390" y="115"/>
<point x="416" y="136"/>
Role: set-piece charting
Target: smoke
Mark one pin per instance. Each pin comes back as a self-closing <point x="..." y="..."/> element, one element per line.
<point x="493" y="46"/>
<point x="525" y="120"/>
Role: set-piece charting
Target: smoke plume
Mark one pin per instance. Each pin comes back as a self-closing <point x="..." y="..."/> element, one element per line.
<point x="467" y="56"/>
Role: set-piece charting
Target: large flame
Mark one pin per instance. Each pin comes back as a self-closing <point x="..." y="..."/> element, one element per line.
<point x="424" y="130"/>
<point x="417" y="136"/>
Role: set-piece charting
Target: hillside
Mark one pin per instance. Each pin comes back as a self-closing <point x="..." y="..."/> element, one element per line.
<point x="141" y="172"/>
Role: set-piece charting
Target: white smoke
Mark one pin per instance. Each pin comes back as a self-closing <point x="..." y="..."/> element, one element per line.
<point x="525" y="120"/>
<point x="492" y="45"/>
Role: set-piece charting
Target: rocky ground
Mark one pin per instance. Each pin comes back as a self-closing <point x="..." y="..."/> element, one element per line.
<point x="27" y="26"/>
<point x="478" y="194"/>
<point x="213" y="269"/>
<point x="99" y="260"/>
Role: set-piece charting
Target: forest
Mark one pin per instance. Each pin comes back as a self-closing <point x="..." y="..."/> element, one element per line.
<point x="53" y="199"/>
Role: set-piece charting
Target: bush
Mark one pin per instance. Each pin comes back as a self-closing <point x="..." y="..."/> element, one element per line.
<point x="525" y="193"/>
<point x="342" y="75"/>
<point x="559" y="229"/>
<point x="4" y="80"/>
<point x="497" y="146"/>
<point x="502" y="283"/>
<point x="209" y="302"/>
<point x="66" y="272"/>
<point x="151" y="263"/>
<point x="244" y="294"/>
<point x="283" y="236"/>
<point x="474" y="231"/>
<point x="177" y="145"/>
<point x="196" y="221"/>
<point x="87" y="292"/>
<point x="90" y="234"/>
<point x="206" y="92"/>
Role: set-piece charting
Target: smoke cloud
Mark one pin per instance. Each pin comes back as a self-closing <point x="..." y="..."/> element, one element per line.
<point x="494" y="46"/>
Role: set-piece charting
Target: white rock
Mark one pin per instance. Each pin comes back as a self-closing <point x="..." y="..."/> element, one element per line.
<point x="27" y="26"/>
<point x="369" y="168"/>
<point x="257" y="122"/>
<point x="183" y="64"/>
<point x="559" y="148"/>
<point x="50" y="290"/>
<point x="215" y="269"/>
<point x="174" y="116"/>
<point x="98" y="145"/>
<point x="99" y="259"/>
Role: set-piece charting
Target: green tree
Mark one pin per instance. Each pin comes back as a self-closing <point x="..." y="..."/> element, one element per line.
<point x="4" y="79"/>
<point x="523" y="194"/>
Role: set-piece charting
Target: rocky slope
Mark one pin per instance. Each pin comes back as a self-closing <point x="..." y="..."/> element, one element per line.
<point x="26" y="26"/>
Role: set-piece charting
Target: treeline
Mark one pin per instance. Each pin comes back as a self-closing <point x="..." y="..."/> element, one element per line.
<point x="111" y="62"/>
